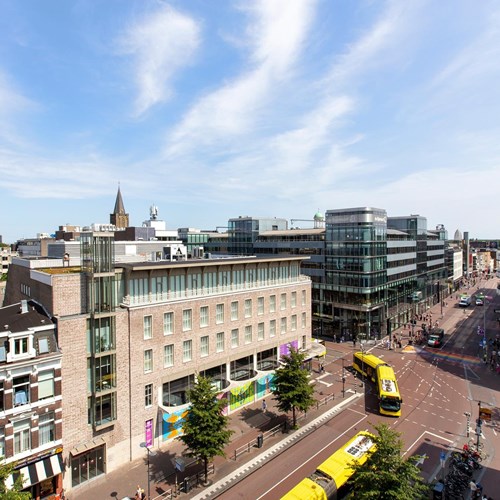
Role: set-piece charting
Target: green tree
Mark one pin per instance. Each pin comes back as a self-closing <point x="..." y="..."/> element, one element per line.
<point x="15" y="493"/>
<point x="386" y="475"/>
<point x="205" y="429"/>
<point x="292" y="388"/>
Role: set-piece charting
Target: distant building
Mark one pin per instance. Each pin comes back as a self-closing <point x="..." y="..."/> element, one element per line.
<point x="119" y="218"/>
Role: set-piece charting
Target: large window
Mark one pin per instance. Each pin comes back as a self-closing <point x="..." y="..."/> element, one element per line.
<point x="248" y="308"/>
<point x="248" y="334"/>
<point x="87" y="465"/>
<point x="203" y="316"/>
<point x="46" y="428"/>
<point x="260" y="306"/>
<point x="204" y="346"/>
<point x="46" y="384"/>
<point x="272" y="328"/>
<point x="187" y="350"/>
<point x="219" y="342"/>
<point x="272" y="303"/>
<point x="168" y="356"/>
<point x="283" y="326"/>
<point x="105" y="409"/>
<point x="168" y="323"/>
<point x="105" y="372"/>
<point x="148" y="360"/>
<point x="219" y="313"/>
<point x="235" y="340"/>
<point x="260" y="331"/>
<point x="234" y="310"/>
<point x="148" y="395"/>
<point x="283" y="301"/>
<point x="21" y="388"/>
<point x="187" y="320"/>
<point x="148" y="327"/>
<point x="22" y="431"/>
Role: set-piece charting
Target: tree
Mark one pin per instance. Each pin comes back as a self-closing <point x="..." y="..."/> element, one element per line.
<point x="205" y="429"/>
<point x="386" y="475"/>
<point x="15" y="493"/>
<point x="292" y="388"/>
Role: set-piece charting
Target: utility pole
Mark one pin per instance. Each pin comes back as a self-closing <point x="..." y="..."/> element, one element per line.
<point x="467" y="415"/>
<point x="343" y="379"/>
<point x="478" y="427"/>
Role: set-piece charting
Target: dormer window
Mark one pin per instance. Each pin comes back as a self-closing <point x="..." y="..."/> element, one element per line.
<point x="20" y="347"/>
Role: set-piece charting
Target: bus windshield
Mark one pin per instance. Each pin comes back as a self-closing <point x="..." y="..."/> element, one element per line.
<point x="390" y="404"/>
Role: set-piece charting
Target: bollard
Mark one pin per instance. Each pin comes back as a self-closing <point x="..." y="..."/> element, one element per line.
<point x="260" y="440"/>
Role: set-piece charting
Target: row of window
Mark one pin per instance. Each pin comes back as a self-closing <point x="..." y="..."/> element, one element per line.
<point x="187" y="314"/>
<point x="22" y="433"/>
<point x="21" y="389"/>
<point x="248" y="334"/>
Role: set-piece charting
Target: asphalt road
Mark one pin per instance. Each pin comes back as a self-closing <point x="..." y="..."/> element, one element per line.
<point x="438" y="387"/>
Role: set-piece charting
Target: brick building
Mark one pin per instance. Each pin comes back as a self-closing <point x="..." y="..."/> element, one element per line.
<point x="135" y="335"/>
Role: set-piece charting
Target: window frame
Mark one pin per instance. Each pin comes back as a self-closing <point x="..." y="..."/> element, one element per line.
<point x="147" y="325"/>
<point x="187" y="320"/>
<point x="148" y="395"/>
<point x="166" y="348"/>
<point x="189" y="351"/>
<point x="148" y="361"/>
<point x="168" y="324"/>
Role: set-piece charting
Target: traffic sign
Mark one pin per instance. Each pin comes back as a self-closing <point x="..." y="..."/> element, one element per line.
<point x="485" y="414"/>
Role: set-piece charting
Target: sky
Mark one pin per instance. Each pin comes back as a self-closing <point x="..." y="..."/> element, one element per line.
<point x="212" y="109"/>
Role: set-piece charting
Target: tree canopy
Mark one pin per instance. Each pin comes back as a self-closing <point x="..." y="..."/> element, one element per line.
<point x="386" y="475"/>
<point x="16" y="493"/>
<point x="206" y="431"/>
<point x="292" y="388"/>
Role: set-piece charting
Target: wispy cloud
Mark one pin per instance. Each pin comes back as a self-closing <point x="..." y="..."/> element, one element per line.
<point x="161" y="43"/>
<point x="275" y="37"/>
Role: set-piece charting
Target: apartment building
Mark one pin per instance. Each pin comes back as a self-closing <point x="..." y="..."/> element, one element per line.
<point x="134" y="336"/>
<point x="30" y="398"/>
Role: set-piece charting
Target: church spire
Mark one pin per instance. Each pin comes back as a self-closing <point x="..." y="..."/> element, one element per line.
<point x="119" y="218"/>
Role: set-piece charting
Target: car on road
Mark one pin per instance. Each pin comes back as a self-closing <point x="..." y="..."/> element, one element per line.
<point x="435" y="338"/>
<point x="479" y="302"/>
<point x="464" y="301"/>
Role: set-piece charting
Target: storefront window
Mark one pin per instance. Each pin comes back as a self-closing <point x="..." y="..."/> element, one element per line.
<point x="87" y="465"/>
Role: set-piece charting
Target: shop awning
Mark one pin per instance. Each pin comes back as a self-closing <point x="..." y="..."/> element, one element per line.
<point x="37" y="471"/>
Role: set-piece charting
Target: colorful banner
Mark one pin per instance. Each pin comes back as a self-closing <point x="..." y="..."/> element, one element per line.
<point x="149" y="433"/>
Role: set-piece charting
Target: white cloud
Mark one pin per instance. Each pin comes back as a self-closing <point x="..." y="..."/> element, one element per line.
<point x="275" y="39"/>
<point x="161" y="43"/>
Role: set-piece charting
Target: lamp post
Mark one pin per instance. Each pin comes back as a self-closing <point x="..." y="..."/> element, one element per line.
<point x="362" y="364"/>
<point x="150" y="453"/>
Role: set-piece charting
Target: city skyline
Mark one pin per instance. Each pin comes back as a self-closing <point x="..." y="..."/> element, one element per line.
<point x="268" y="108"/>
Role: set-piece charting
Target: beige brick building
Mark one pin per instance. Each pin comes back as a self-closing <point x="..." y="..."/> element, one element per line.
<point x="135" y="335"/>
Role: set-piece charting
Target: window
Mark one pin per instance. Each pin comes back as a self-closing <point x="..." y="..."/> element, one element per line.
<point x="148" y="327"/>
<point x="272" y="303"/>
<point x="2" y="442"/>
<point x="248" y="334"/>
<point x="272" y="328"/>
<point x="293" y="299"/>
<point x="168" y="356"/>
<point x="283" y="326"/>
<point x="219" y="342"/>
<point x="21" y="388"/>
<point x="235" y="341"/>
<point x="168" y="323"/>
<point x="105" y="409"/>
<point x="219" y="313"/>
<point x="46" y="384"/>
<point x="22" y="433"/>
<point x="293" y="325"/>
<point x="187" y="350"/>
<point x="303" y="320"/>
<point x="234" y="311"/>
<point x="148" y="395"/>
<point x="283" y="301"/>
<point x="248" y="308"/>
<point x="21" y="346"/>
<point x="187" y="320"/>
<point x="203" y="316"/>
<point x="303" y="297"/>
<point x="2" y="402"/>
<point x="204" y="346"/>
<point x="304" y="342"/>
<point x="260" y="331"/>
<point x="46" y="428"/>
<point x="148" y="360"/>
<point x="260" y="306"/>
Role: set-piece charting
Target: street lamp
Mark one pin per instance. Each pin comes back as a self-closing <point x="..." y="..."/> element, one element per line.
<point x="150" y="453"/>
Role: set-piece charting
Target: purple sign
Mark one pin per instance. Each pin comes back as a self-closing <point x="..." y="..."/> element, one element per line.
<point x="149" y="433"/>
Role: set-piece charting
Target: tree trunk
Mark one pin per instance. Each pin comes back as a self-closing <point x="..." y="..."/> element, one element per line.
<point x="205" y="460"/>
<point x="294" y="418"/>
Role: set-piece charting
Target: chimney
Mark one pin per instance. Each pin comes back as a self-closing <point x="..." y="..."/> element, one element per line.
<point x="24" y="306"/>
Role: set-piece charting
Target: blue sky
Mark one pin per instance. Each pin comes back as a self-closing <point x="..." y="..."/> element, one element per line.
<point x="215" y="109"/>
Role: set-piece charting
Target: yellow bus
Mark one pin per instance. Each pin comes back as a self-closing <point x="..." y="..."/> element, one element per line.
<point x="379" y="372"/>
<point x="330" y="480"/>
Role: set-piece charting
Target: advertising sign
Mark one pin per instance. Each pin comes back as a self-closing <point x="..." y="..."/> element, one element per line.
<point x="149" y="433"/>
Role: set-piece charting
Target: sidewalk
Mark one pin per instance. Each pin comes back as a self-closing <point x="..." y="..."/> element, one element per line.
<point x="247" y="424"/>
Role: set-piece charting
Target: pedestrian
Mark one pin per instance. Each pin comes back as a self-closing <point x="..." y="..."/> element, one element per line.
<point x="139" y="494"/>
<point x="264" y="405"/>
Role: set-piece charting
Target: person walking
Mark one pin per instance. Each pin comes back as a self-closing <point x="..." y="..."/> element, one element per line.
<point x="264" y="405"/>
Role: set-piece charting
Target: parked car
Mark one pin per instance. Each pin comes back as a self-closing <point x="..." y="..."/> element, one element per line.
<point x="479" y="302"/>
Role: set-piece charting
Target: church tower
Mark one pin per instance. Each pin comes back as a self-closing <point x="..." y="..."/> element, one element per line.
<point x="119" y="218"/>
